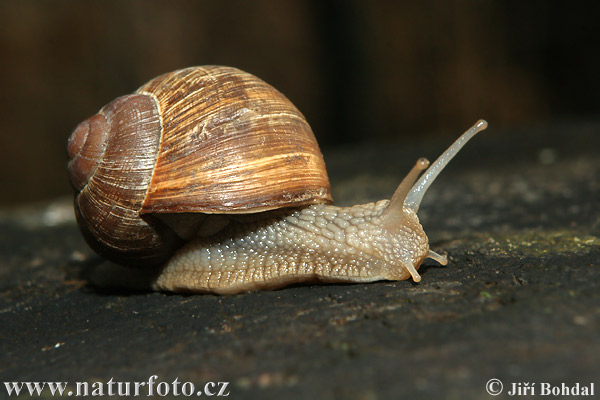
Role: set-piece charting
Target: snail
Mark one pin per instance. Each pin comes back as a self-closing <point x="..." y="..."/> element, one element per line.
<point x="207" y="179"/>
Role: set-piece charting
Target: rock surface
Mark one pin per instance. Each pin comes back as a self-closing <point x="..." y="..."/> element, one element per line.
<point x="516" y="212"/>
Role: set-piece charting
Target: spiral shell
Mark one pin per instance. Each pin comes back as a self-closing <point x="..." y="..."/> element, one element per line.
<point x="209" y="140"/>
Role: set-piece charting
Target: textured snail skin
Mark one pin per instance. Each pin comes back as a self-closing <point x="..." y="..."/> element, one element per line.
<point x="317" y="243"/>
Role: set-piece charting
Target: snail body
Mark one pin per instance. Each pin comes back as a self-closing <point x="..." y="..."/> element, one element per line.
<point x="207" y="179"/>
<point x="315" y="243"/>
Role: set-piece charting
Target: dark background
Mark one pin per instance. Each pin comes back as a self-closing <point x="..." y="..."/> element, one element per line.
<point x="361" y="71"/>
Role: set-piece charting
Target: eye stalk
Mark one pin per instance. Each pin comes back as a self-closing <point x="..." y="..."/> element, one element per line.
<point x="415" y="195"/>
<point x="404" y="204"/>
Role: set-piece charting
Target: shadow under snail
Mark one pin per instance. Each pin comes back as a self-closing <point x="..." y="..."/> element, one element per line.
<point x="207" y="179"/>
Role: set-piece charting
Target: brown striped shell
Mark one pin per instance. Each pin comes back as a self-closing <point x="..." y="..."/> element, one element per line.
<point x="208" y="140"/>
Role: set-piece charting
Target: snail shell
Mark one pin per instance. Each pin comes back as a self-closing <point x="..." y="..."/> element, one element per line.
<point x="203" y="140"/>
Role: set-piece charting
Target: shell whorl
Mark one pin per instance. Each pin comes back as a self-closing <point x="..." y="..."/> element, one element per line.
<point x="107" y="206"/>
<point x="231" y="144"/>
<point x="85" y="149"/>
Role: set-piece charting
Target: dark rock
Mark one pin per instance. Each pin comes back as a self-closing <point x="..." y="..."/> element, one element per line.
<point x="517" y="213"/>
